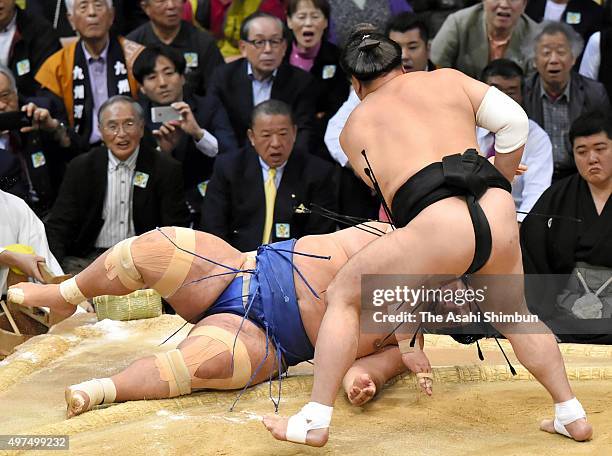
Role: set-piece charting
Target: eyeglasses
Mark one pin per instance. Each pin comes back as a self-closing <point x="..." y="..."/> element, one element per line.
<point x="129" y="127"/>
<point x="159" y="3"/>
<point x="260" y="44"/>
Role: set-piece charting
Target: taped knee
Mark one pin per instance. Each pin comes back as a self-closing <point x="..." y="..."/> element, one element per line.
<point x="208" y="342"/>
<point x="172" y="369"/>
<point x="179" y="265"/>
<point x="120" y="263"/>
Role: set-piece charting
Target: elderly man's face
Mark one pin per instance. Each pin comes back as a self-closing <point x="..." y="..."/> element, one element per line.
<point x="7" y="11"/>
<point x="165" y="85"/>
<point x="121" y="129"/>
<point x="265" y="46"/>
<point x="8" y="97"/>
<point x="554" y="60"/>
<point x="593" y="156"/>
<point x="273" y="137"/>
<point x="91" y="18"/>
<point x="164" y="13"/>
<point x="415" y="50"/>
<point x="503" y="14"/>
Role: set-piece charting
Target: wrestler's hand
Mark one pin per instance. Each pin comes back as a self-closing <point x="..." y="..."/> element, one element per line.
<point x="25" y="262"/>
<point x="522" y="169"/>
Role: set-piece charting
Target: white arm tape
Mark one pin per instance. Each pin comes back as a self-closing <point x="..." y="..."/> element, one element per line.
<point x="503" y="116"/>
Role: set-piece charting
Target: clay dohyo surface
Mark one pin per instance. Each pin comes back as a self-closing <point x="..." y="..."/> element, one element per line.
<point x="478" y="408"/>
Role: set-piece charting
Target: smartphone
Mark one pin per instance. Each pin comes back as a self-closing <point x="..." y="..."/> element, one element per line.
<point x="161" y="114"/>
<point x="14" y="120"/>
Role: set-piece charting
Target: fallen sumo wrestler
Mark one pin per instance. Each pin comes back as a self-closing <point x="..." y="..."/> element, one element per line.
<point x="412" y="139"/>
<point x="256" y="313"/>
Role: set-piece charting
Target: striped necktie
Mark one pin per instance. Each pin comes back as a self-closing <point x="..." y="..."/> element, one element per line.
<point x="270" y="191"/>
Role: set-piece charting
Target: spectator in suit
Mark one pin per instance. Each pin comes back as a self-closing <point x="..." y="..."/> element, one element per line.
<point x="253" y="195"/>
<point x="201" y="130"/>
<point x="507" y="76"/>
<point x="472" y="37"/>
<point x="112" y="193"/>
<point x="82" y="75"/>
<point x="32" y="158"/>
<point x="311" y="51"/>
<point x="167" y="28"/>
<point x="555" y="96"/>
<point x="25" y="43"/>
<point x="585" y="16"/>
<point x="261" y="75"/>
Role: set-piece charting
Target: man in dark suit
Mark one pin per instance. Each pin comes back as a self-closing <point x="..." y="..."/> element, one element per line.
<point x="261" y="75"/>
<point x="252" y="195"/>
<point x="112" y="193"/>
<point x="555" y="96"/>
<point x="201" y="128"/>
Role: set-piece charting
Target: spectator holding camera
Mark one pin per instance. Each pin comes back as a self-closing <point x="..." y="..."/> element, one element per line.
<point x="32" y="147"/>
<point x="201" y="128"/>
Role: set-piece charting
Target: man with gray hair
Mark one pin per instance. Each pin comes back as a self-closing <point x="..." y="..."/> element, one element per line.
<point x="82" y="75"/>
<point x="114" y="192"/>
<point x="555" y="96"/>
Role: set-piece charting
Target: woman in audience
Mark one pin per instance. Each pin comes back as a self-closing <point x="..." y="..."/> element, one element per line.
<point x="567" y="241"/>
<point x="310" y="51"/>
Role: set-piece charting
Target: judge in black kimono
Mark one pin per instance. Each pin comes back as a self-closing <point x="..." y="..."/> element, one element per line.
<point x="567" y="241"/>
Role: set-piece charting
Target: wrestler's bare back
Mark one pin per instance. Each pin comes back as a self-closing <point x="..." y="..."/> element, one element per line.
<point x="424" y="118"/>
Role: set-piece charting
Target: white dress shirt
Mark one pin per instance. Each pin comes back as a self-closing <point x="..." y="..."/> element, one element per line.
<point x="262" y="90"/>
<point x="19" y="225"/>
<point x="335" y="126"/>
<point x="207" y="144"/>
<point x="528" y="188"/>
<point x="591" y="60"/>
<point x="279" y="172"/>
<point x="117" y="212"/>
<point x="6" y="39"/>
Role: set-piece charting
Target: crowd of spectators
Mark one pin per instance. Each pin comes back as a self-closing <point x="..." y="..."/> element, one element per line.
<point x="224" y="115"/>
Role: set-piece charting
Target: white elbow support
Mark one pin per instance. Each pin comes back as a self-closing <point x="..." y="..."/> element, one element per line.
<point x="503" y="116"/>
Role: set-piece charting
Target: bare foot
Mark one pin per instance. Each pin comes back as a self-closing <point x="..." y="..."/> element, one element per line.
<point x="417" y="362"/>
<point x="580" y="430"/>
<point x="36" y="295"/>
<point x="277" y="425"/>
<point x="77" y="402"/>
<point x="362" y="390"/>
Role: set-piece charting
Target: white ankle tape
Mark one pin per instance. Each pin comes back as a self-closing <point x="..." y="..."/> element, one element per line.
<point x="99" y="390"/>
<point x="71" y="292"/>
<point x="312" y="416"/>
<point x="567" y="412"/>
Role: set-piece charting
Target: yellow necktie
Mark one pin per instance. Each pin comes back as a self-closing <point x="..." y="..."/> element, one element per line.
<point x="270" y="191"/>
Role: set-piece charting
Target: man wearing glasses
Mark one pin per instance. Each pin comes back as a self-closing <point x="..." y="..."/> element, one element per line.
<point x="261" y="75"/>
<point x="114" y="192"/>
<point x="166" y="27"/>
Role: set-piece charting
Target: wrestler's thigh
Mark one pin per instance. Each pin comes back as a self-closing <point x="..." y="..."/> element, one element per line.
<point x="439" y="241"/>
<point x="253" y="337"/>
